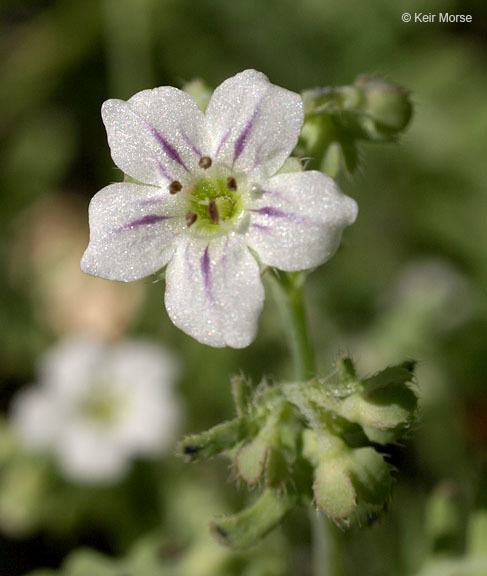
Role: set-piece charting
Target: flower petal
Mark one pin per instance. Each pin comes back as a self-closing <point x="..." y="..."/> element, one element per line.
<point x="66" y="369"/>
<point x="132" y="231"/>
<point x="297" y="221"/>
<point x="214" y="292"/>
<point x="157" y="136"/>
<point x="253" y="124"/>
<point x="88" y="454"/>
<point x="35" y="417"/>
<point x="150" y="424"/>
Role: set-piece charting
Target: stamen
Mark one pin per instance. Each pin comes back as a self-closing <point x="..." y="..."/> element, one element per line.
<point x="231" y="183"/>
<point x="205" y="162"/>
<point x="213" y="211"/>
<point x="175" y="187"/>
<point x="190" y="218"/>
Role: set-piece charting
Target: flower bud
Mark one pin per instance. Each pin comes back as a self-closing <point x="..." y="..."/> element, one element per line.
<point x="385" y="406"/>
<point x="387" y="104"/>
<point x="245" y="528"/>
<point x="337" y="118"/>
<point x="251" y="459"/>
<point x="348" y="482"/>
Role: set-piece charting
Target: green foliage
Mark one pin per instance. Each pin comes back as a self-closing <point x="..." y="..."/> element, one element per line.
<point x="295" y="439"/>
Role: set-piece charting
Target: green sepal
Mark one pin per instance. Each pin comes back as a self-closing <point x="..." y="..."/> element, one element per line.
<point x="199" y="91"/>
<point x="336" y="119"/>
<point x="242" y="391"/>
<point x="386" y="405"/>
<point x="212" y="442"/>
<point x="388" y="104"/>
<point x="253" y="523"/>
<point x="251" y="459"/>
<point x="131" y="180"/>
<point x="349" y="483"/>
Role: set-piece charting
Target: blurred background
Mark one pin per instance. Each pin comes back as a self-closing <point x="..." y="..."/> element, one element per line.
<point x="409" y="281"/>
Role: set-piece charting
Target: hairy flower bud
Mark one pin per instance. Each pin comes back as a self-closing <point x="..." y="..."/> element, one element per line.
<point x="346" y="481"/>
<point x="388" y="104"/>
<point x="336" y="119"/>
<point x="295" y="439"/>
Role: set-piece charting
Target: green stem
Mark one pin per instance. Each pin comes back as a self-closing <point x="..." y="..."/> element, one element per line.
<point x="289" y="292"/>
<point x="320" y="560"/>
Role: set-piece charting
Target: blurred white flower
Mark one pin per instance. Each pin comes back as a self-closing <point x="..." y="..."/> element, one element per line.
<point x="207" y="197"/>
<point x="97" y="406"/>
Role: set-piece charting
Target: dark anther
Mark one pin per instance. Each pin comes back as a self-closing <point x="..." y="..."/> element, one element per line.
<point x="175" y="187"/>
<point x="191" y="449"/>
<point x="231" y="183"/>
<point x="190" y="218"/>
<point x="205" y="162"/>
<point x="213" y="211"/>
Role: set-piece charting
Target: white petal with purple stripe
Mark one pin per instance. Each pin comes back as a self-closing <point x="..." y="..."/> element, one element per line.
<point x="214" y="291"/>
<point x="132" y="231"/>
<point x="297" y="221"/>
<point x="253" y="125"/>
<point x="157" y="136"/>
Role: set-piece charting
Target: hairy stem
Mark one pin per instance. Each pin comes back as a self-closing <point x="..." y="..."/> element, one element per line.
<point x="288" y="289"/>
<point x="289" y="292"/>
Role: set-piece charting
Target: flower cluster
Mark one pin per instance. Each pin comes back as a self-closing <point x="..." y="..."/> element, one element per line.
<point x="208" y="196"/>
<point x="310" y="441"/>
<point x="96" y="407"/>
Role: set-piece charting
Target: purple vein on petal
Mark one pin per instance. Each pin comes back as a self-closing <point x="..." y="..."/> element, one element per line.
<point x="223" y="142"/>
<point x="261" y="227"/>
<point x="241" y="141"/>
<point x="165" y="145"/>
<point x="276" y="213"/>
<point x="150" y="201"/>
<point x="163" y="172"/>
<point x="270" y="192"/>
<point x="205" y="270"/>
<point x="271" y="211"/>
<point x="168" y="148"/>
<point x="190" y="143"/>
<point x="146" y="220"/>
<point x="259" y="155"/>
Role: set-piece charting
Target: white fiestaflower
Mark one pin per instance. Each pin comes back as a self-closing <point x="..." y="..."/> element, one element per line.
<point x="206" y="199"/>
<point x="97" y="406"/>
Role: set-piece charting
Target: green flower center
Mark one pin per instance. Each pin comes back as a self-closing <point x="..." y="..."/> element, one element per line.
<point x="214" y="202"/>
<point x="101" y="407"/>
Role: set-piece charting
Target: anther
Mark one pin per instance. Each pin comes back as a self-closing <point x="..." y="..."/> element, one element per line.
<point x="231" y="183"/>
<point x="190" y="218"/>
<point x="213" y="211"/>
<point x="205" y="162"/>
<point x="175" y="187"/>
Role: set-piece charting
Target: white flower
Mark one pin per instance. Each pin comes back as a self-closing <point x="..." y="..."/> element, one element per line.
<point x="208" y="198"/>
<point x="96" y="407"/>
